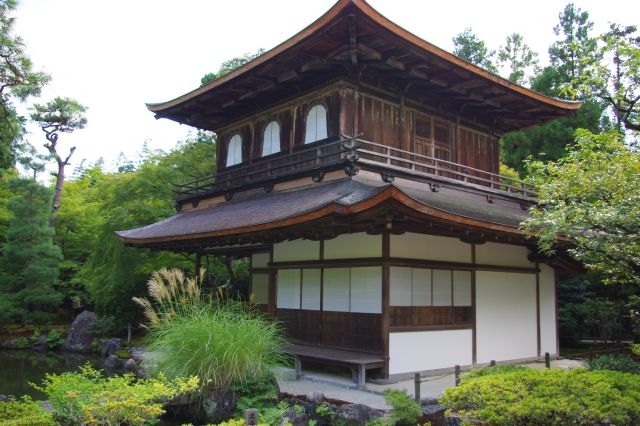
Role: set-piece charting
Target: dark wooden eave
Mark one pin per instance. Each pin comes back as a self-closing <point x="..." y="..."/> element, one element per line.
<point x="353" y="40"/>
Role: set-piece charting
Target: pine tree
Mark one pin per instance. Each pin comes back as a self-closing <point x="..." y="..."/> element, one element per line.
<point x="30" y="259"/>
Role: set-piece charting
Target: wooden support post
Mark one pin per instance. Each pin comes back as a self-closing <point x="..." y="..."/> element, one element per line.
<point x="361" y="376"/>
<point x="456" y="372"/>
<point x="416" y="383"/>
<point x="547" y="360"/>
<point x="590" y="353"/>
<point x="492" y="363"/>
<point x="298" y="367"/>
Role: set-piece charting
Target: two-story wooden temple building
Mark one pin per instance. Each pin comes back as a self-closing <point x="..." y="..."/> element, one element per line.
<point x="358" y="169"/>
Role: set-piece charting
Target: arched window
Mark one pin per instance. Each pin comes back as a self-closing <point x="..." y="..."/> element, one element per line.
<point x="234" y="151"/>
<point x="316" y="124"/>
<point x="271" y="139"/>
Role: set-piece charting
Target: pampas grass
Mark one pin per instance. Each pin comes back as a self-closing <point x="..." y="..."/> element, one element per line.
<point x="222" y="342"/>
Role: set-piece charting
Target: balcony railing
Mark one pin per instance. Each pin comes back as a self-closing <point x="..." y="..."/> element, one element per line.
<point x="354" y="151"/>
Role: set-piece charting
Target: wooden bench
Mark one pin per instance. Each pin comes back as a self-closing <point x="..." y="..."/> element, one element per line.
<point x="359" y="362"/>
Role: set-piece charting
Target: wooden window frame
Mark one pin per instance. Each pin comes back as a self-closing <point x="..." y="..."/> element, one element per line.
<point x="264" y="131"/>
<point x="326" y="123"/>
<point x="226" y="162"/>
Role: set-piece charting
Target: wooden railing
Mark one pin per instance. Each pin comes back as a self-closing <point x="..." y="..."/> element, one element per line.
<point x="355" y="151"/>
<point x="401" y="160"/>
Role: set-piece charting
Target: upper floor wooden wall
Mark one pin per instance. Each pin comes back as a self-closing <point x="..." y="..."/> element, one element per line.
<point x="397" y="122"/>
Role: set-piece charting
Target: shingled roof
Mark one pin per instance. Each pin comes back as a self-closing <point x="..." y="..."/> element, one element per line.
<point x="255" y="211"/>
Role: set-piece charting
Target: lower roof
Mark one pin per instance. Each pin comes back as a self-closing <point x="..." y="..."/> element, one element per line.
<point x="256" y="211"/>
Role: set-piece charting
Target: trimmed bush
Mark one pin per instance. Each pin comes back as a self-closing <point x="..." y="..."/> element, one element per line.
<point x="614" y="362"/>
<point x="24" y="412"/>
<point x="547" y="397"/>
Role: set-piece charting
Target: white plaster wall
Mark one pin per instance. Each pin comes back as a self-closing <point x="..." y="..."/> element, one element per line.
<point x="429" y="350"/>
<point x="356" y="245"/>
<point x="429" y="247"/>
<point x="503" y="255"/>
<point x="299" y="249"/>
<point x="547" y="310"/>
<point x="259" y="260"/>
<point x="506" y="326"/>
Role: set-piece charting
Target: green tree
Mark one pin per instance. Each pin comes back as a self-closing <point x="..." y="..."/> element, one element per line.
<point x="227" y="66"/>
<point x="18" y="81"/>
<point x="61" y="115"/>
<point x="591" y="199"/>
<point x="615" y="75"/>
<point x="115" y="273"/>
<point x="468" y="46"/>
<point x="519" y="60"/>
<point x="576" y="50"/>
<point x="30" y="258"/>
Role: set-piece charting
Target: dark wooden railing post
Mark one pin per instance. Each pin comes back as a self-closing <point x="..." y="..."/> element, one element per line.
<point x="456" y="372"/>
<point x="547" y="360"/>
<point x="492" y="363"/>
<point x="416" y="389"/>
<point x="591" y="353"/>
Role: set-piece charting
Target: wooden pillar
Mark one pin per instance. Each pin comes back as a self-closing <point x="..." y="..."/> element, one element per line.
<point x="538" y="337"/>
<point x="474" y="345"/>
<point x="386" y="243"/>
<point x="198" y="264"/>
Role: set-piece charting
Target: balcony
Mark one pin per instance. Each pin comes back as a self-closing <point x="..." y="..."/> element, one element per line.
<point x="351" y="154"/>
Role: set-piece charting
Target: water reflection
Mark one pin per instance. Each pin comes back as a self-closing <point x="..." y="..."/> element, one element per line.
<point x="18" y="368"/>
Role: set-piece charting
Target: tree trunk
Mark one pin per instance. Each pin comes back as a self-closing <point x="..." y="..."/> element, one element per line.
<point x="57" y="196"/>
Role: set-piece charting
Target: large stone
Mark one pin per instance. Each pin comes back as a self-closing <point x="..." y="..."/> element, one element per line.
<point x="218" y="406"/>
<point x="130" y="365"/>
<point x="355" y="414"/>
<point x="291" y="417"/>
<point x="112" y="362"/>
<point x="315" y="397"/>
<point x="79" y="338"/>
<point x="106" y="347"/>
<point x="434" y="414"/>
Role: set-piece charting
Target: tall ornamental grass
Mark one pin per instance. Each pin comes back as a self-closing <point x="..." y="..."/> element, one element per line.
<point x="220" y="341"/>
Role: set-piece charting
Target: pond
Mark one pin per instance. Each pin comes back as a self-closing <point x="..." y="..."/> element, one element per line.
<point x="18" y="368"/>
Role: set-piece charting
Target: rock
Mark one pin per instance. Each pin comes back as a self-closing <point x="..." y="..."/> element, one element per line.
<point x="295" y="419"/>
<point x="218" y="406"/>
<point x="130" y="365"/>
<point x="315" y="397"/>
<point x="355" y="414"/>
<point x="433" y="413"/>
<point x="106" y="347"/>
<point x="41" y="344"/>
<point x="4" y="398"/>
<point x="112" y="362"/>
<point x="18" y="343"/>
<point x="79" y="338"/>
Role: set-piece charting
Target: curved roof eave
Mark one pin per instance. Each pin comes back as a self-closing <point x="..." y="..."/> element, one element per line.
<point x="373" y="14"/>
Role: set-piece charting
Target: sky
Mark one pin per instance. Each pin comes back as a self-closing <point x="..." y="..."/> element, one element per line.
<point x="115" y="56"/>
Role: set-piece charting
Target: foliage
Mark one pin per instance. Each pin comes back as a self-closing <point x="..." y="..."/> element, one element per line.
<point x="604" y="317"/>
<point x="256" y="393"/>
<point x="547" y="397"/>
<point x="18" y="81"/>
<point x="615" y="362"/>
<point x="30" y="259"/>
<point x="88" y="397"/>
<point x="114" y="273"/>
<point x="520" y="61"/>
<point x="633" y="305"/>
<point x="227" y="66"/>
<point x="469" y="47"/>
<point x="24" y="412"/>
<point x="221" y="342"/>
<point x="592" y="198"/>
<point x="273" y="415"/>
<point x="405" y="411"/>
<point x="613" y="75"/>
<point x="54" y="339"/>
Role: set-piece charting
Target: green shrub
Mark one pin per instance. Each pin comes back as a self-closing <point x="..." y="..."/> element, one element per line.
<point x="222" y="343"/>
<point x="105" y="326"/>
<point x="405" y="411"/>
<point x="88" y="397"/>
<point x="24" y="412"/>
<point x="614" y="362"/>
<point x="54" y="340"/>
<point x="258" y="394"/>
<point x="547" y="397"/>
<point x="122" y="354"/>
<point x="479" y="372"/>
